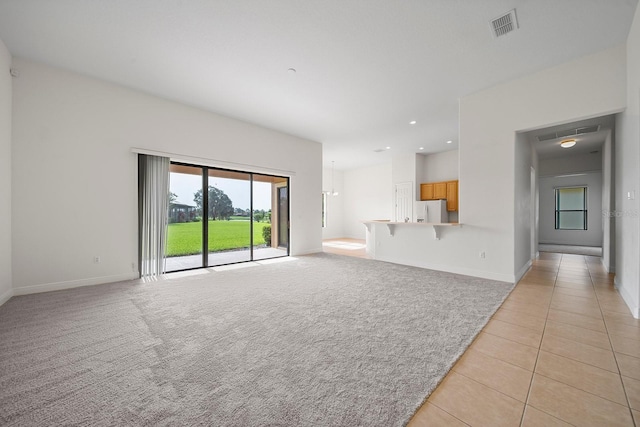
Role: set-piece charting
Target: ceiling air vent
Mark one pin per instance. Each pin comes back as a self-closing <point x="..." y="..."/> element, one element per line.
<point x="547" y="137"/>
<point x="587" y="129"/>
<point x="568" y="132"/>
<point x="504" y="24"/>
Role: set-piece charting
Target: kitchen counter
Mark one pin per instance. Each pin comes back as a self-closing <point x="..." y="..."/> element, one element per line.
<point x="391" y="225"/>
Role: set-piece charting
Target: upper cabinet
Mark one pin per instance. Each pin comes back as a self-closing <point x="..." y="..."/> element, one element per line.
<point x="426" y="192"/>
<point x="441" y="190"/>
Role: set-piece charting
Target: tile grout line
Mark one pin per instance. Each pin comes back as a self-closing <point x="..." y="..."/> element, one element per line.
<point x="442" y="409"/>
<point x="588" y="364"/>
<point x="526" y="402"/>
<point x="615" y="358"/>
<point x="554" y="287"/>
<point x="471" y="379"/>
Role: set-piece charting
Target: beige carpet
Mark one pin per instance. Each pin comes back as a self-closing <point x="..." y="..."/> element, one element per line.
<point x="321" y="340"/>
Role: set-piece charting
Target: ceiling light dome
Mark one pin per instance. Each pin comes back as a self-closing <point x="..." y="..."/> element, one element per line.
<point x="568" y="143"/>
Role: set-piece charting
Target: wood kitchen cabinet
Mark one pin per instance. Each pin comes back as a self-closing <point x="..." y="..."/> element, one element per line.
<point x="426" y="192"/>
<point x="452" y="196"/>
<point x="441" y="190"/>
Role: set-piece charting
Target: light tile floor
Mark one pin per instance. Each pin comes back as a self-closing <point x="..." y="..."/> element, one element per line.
<point x="562" y="350"/>
<point x="345" y="246"/>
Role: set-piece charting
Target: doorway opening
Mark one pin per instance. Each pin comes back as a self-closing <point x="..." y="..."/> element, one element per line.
<point x="575" y="155"/>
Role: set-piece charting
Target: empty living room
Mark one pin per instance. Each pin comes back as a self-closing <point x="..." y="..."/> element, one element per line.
<point x="336" y="213"/>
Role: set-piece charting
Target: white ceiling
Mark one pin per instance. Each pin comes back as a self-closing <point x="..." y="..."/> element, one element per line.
<point x="365" y="68"/>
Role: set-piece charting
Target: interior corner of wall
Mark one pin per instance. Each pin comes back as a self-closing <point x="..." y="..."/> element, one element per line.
<point x="632" y="303"/>
<point x="522" y="271"/>
<point x="6" y="296"/>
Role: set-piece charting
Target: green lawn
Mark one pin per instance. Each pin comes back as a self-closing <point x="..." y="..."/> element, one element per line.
<point x="186" y="238"/>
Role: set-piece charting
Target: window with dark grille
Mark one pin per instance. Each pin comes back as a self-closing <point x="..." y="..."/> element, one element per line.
<point x="571" y="208"/>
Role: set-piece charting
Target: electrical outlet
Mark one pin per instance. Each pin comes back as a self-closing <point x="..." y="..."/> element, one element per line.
<point x="96" y="259"/>
<point x="482" y="254"/>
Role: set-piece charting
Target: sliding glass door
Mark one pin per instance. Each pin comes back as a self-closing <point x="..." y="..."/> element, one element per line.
<point x="185" y="228"/>
<point x="229" y="233"/>
<point x="240" y="216"/>
<point x="270" y="216"/>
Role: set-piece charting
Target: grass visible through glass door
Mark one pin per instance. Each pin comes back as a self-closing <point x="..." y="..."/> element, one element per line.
<point x="185" y="238"/>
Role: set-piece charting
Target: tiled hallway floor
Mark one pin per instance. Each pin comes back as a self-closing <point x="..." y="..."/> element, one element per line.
<point x="562" y="350"/>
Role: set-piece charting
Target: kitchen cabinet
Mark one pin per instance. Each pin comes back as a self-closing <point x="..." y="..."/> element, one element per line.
<point x="426" y="192"/>
<point x="441" y="190"/>
<point x="452" y="196"/>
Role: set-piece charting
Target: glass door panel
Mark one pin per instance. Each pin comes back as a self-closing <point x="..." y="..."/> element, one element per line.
<point x="283" y="217"/>
<point x="270" y="217"/>
<point x="229" y="217"/>
<point x="184" y="233"/>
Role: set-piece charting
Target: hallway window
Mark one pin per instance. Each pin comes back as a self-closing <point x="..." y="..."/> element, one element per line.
<point x="571" y="208"/>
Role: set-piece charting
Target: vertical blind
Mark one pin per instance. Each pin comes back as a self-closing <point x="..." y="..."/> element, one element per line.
<point x="154" y="207"/>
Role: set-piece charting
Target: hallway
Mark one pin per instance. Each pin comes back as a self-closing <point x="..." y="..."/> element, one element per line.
<point x="562" y="350"/>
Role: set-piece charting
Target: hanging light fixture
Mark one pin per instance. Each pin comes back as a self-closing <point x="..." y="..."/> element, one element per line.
<point x="333" y="190"/>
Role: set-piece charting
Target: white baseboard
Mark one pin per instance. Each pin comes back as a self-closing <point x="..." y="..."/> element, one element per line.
<point x="635" y="310"/>
<point x="6" y="296"/>
<point x="608" y="268"/>
<point x="57" y="286"/>
<point x="307" y="252"/>
<point x="522" y="271"/>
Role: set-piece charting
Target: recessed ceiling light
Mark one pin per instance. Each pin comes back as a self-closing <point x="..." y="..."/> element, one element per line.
<point x="412" y="122"/>
<point x="422" y="148"/>
<point x="449" y="142"/>
<point x="568" y="143"/>
<point x="388" y="148"/>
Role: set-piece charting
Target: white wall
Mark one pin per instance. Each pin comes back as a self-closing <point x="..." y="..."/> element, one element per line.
<point x="368" y="195"/>
<point x="535" y="203"/>
<point x="439" y="166"/>
<point x="552" y="171"/>
<point x="627" y="178"/>
<point x="573" y="164"/>
<point x="488" y="120"/>
<point x="608" y="203"/>
<point x="590" y="237"/>
<point x="523" y="161"/>
<point x="75" y="177"/>
<point x="5" y="174"/>
<point x="403" y="168"/>
<point x="403" y="171"/>
<point x="334" y="226"/>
